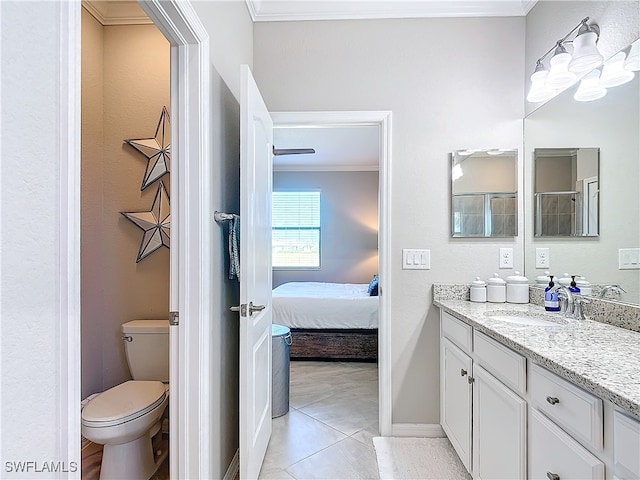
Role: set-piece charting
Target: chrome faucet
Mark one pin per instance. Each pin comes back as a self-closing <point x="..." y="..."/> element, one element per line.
<point x="613" y="288"/>
<point x="566" y="298"/>
<point x="570" y="304"/>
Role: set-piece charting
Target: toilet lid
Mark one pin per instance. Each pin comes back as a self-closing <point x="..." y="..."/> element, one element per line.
<point x="123" y="402"/>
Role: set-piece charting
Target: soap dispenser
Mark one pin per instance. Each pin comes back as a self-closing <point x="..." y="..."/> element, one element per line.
<point x="573" y="287"/>
<point x="551" y="300"/>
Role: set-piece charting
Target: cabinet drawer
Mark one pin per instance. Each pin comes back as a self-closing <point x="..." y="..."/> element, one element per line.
<point x="456" y="330"/>
<point x="626" y="447"/>
<point x="502" y="362"/>
<point x="555" y="455"/>
<point x="577" y="411"/>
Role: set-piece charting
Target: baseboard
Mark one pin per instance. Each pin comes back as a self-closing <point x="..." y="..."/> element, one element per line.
<point x="234" y="467"/>
<point x="429" y="430"/>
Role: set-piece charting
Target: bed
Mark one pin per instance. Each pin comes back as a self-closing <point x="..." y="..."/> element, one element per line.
<point x="328" y="321"/>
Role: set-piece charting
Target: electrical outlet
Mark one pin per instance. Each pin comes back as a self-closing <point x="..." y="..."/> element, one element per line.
<point x="506" y="258"/>
<point x="542" y="258"/>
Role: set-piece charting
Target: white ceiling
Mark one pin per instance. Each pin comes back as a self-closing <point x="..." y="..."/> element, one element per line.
<point x="337" y="148"/>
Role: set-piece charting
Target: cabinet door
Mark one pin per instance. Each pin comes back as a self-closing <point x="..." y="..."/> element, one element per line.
<point x="499" y="429"/>
<point x="555" y="455"/>
<point x="455" y="399"/>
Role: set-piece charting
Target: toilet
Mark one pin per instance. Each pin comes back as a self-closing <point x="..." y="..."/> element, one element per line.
<point x="126" y="417"/>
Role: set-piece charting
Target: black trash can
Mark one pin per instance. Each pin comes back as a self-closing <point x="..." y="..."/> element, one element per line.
<point x="281" y="340"/>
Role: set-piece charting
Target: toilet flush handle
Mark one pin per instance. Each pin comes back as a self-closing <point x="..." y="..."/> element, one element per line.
<point x="127" y="338"/>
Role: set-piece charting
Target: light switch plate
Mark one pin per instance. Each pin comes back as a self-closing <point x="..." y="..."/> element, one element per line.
<point x="542" y="258"/>
<point x="416" y="259"/>
<point x="628" y="258"/>
<point x="506" y="258"/>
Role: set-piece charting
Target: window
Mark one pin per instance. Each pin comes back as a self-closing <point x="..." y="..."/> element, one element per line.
<point x="296" y="230"/>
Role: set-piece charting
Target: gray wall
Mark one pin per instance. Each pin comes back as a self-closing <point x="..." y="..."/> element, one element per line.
<point x="349" y="225"/>
<point x="451" y="84"/>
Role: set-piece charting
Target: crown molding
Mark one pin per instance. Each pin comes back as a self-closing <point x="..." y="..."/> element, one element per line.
<point x="110" y="13"/>
<point x="279" y="10"/>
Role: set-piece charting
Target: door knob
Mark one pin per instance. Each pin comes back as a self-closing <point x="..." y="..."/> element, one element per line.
<point x="255" y="308"/>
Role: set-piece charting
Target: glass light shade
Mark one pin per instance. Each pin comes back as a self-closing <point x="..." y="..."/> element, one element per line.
<point x="559" y="76"/>
<point x="614" y="73"/>
<point x="633" y="58"/>
<point x="590" y="88"/>
<point x="539" y="91"/>
<point x="585" y="53"/>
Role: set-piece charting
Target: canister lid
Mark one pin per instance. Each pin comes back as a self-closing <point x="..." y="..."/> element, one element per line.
<point x="543" y="279"/>
<point x="478" y="282"/>
<point x="496" y="280"/>
<point x="517" y="279"/>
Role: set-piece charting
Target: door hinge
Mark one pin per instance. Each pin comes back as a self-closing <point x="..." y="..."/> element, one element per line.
<point x="174" y="318"/>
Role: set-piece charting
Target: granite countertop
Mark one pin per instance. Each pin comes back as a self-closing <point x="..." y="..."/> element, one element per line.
<point x="601" y="358"/>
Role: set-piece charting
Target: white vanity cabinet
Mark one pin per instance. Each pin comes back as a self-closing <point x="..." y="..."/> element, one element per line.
<point x="483" y="418"/>
<point x="455" y="399"/>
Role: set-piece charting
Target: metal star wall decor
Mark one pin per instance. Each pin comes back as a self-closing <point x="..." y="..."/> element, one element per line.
<point x="156" y="224"/>
<point x="157" y="150"/>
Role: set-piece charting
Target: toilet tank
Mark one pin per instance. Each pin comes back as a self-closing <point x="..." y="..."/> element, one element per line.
<point x="146" y="344"/>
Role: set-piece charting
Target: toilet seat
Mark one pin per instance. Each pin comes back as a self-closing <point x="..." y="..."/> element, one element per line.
<point x="123" y="403"/>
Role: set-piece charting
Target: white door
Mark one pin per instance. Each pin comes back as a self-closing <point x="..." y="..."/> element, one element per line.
<point x="256" y="143"/>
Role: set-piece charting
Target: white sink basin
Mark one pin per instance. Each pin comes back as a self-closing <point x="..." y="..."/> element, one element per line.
<point x="521" y="318"/>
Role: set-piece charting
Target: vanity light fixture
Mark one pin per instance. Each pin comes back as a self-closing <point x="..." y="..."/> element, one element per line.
<point x="633" y="57"/>
<point x="614" y="72"/>
<point x="566" y="67"/>
<point x="590" y="87"/>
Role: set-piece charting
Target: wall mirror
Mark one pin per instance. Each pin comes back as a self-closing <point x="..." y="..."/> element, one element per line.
<point x="611" y="127"/>
<point x="484" y="193"/>
<point x="565" y="191"/>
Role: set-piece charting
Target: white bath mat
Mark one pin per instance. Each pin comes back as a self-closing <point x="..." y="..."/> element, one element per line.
<point x="418" y="458"/>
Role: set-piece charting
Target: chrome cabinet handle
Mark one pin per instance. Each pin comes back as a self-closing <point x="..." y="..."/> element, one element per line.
<point x="127" y="338"/>
<point x="553" y="400"/>
<point x="463" y="372"/>
<point x="471" y="380"/>
<point x="553" y="476"/>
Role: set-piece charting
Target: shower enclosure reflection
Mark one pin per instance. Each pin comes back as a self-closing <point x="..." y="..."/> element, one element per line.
<point x="483" y="193"/>
<point x="566" y="193"/>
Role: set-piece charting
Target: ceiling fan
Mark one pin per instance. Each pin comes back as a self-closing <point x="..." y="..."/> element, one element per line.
<point x="291" y="151"/>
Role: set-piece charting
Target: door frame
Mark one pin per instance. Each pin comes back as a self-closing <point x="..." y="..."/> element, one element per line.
<point x="382" y="119"/>
<point x="191" y="397"/>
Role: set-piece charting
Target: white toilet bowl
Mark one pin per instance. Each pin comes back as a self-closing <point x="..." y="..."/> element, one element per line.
<point x="124" y="419"/>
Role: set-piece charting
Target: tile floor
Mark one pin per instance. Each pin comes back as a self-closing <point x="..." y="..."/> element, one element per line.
<point x="327" y="434"/>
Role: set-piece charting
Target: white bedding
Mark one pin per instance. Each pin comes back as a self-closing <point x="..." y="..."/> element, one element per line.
<point x="324" y="305"/>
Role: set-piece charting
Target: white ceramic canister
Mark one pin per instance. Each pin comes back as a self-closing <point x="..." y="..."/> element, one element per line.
<point x="584" y="285"/>
<point x="496" y="289"/>
<point x="517" y="288"/>
<point x="478" y="290"/>
<point x="543" y="280"/>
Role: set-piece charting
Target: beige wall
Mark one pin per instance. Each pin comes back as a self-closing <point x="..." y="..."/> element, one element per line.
<point x="125" y="86"/>
<point x="444" y="95"/>
<point x="349" y="225"/>
<point x="487" y="174"/>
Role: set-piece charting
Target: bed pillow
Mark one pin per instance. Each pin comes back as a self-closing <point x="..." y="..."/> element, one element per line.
<point x="373" y="286"/>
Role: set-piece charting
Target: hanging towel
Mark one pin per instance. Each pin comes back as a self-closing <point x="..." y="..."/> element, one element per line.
<point x="234" y="248"/>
